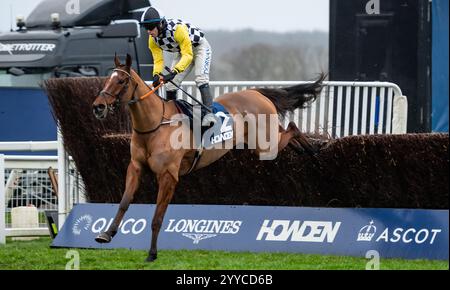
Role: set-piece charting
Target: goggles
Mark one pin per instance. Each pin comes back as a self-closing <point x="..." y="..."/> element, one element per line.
<point x="150" y="26"/>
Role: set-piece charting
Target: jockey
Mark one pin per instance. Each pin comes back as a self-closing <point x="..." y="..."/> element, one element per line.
<point x="190" y="47"/>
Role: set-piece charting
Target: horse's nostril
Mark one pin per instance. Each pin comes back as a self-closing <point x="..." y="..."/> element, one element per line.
<point x="100" y="111"/>
<point x="99" y="108"/>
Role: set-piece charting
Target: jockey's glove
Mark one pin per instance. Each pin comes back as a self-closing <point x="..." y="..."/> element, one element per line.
<point x="156" y="80"/>
<point x="168" y="77"/>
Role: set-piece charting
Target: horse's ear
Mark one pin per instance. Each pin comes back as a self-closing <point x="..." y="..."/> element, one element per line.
<point x="129" y="61"/>
<point x="116" y="60"/>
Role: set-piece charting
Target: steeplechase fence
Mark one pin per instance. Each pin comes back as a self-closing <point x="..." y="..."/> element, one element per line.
<point x="343" y="109"/>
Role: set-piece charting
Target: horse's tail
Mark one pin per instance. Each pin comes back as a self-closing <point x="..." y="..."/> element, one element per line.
<point x="291" y="98"/>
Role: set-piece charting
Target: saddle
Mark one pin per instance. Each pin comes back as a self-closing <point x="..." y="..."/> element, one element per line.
<point x="215" y="135"/>
<point x="187" y="109"/>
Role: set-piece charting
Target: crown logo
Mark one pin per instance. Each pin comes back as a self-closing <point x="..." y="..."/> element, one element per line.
<point x="367" y="232"/>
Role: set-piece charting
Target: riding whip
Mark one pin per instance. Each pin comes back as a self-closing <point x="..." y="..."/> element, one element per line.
<point x="189" y="95"/>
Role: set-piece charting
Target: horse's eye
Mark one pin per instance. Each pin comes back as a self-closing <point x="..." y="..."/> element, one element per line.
<point x="121" y="82"/>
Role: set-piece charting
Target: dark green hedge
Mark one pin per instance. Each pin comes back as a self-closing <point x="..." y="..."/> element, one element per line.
<point x="404" y="171"/>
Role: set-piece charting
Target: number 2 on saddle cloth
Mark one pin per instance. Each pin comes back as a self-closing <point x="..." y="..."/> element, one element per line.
<point x="222" y="130"/>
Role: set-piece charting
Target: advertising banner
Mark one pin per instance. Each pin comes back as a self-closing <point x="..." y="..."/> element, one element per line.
<point x="399" y="233"/>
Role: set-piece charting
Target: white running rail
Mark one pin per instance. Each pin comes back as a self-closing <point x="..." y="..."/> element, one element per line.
<point x="343" y="109"/>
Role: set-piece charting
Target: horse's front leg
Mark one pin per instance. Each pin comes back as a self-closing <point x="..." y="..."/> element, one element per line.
<point x="167" y="184"/>
<point x="132" y="183"/>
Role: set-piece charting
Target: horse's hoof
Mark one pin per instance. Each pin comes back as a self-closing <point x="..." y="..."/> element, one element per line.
<point x="103" y="238"/>
<point x="151" y="258"/>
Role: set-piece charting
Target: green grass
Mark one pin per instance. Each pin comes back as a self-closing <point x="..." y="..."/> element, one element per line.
<point x="33" y="255"/>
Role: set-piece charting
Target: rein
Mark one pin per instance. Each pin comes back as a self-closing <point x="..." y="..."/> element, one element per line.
<point x="136" y="100"/>
<point x="157" y="127"/>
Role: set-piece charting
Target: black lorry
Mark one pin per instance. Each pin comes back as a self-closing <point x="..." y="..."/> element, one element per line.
<point x="63" y="39"/>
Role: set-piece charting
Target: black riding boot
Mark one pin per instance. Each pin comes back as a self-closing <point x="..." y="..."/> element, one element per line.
<point x="206" y="95"/>
<point x="209" y="120"/>
<point x="171" y="95"/>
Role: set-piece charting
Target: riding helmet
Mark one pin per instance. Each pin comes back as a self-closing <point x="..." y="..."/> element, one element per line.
<point x="151" y="16"/>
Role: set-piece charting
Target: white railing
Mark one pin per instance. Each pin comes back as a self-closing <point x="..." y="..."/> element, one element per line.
<point x="343" y="109"/>
<point x="26" y="168"/>
<point x="29" y="146"/>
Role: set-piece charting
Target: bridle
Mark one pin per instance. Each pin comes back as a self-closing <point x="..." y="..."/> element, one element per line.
<point x="111" y="108"/>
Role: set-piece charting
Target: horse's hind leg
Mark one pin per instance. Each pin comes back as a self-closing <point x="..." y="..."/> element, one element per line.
<point x="296" y="146"/>
<point x="303" y="142"/>
<point x="293" y="137"/>
<point x="285" y="137"/>
<point x="132" y="183"/>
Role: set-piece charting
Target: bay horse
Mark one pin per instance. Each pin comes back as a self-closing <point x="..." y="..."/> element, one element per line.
<point x="152" y="128"/>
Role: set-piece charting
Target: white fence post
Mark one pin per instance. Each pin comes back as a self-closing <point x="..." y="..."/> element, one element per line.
<point x="400" y="116"/>
<point x="2" y="200"/>
<point x="61" y="181"/>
